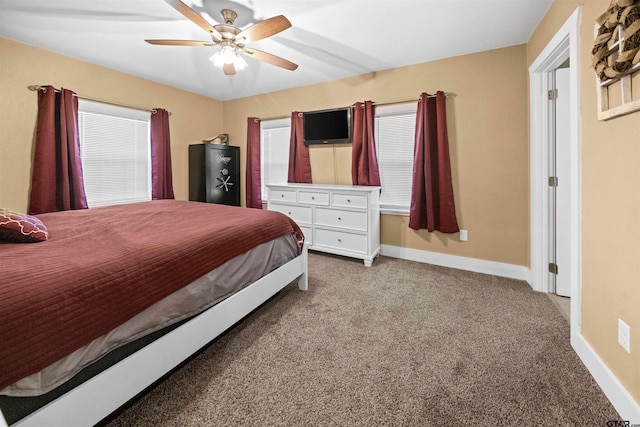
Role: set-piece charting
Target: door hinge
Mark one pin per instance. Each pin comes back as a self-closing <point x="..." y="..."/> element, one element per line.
<point x="552" y="95"/>
<point x="553" y="181"/>
<point x="553" y="268"/>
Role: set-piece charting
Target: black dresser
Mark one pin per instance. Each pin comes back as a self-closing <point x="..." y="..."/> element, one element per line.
<point x="214" y="174"/>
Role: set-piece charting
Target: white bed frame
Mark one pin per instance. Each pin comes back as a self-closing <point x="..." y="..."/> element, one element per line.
<point x="98" y="397"/>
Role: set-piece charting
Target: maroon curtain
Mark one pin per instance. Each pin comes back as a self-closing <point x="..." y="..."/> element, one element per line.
<point x="161" y="178"/>
<point x="57" y="183"/>
<point x="432" y="205"/>
<point x="299" y="164"/>
<point x="254" y="190"/>
<point x="364" y="163"/>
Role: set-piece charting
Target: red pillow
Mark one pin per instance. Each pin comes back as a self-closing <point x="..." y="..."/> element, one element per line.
<point x="21" y="228"/>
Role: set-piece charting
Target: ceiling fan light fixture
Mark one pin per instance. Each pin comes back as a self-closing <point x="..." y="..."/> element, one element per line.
<point x="228" y="54"/>
<point x="239" y="63"/>
<point x="217" y="60"/>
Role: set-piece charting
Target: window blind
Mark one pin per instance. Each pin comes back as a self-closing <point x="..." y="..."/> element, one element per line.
<point x="116" y="158"/>
<point x="395" y="130"/>
<point x="274" y="153"/>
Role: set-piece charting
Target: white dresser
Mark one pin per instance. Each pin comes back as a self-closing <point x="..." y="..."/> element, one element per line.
<point x="339" y="219"/>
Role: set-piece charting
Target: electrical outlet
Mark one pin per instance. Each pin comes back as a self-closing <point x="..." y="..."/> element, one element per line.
<point x="464" y="235"/>
<point x="624" y="335"/>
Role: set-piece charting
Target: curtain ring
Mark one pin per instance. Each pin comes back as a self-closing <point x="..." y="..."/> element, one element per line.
<point x="256" y="120"/>
<point x="300" y="114"/>
<point x="154" y="111"/>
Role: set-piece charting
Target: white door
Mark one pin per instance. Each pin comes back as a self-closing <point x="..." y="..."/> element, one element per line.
<point x="559" y="187"/>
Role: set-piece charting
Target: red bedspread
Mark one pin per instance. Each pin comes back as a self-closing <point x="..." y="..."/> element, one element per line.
<point x="102" y="266"/>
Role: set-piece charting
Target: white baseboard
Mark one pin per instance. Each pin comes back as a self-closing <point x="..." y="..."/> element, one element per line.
<point x="511" y="271"/>
<point x="619" y="397"/>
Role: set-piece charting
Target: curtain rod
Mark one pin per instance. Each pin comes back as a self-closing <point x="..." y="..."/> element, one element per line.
<point x="34" y="88"/>
<point x="404" y="101"/>
<point x="375" y="103"/>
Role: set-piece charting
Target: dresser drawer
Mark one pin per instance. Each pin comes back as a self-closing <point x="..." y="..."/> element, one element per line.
<point x="300" y="214"/>
<point x="282" y="196"/>
<point x="349" y="200"/>
<point x="313" y="198"/>
<point x="308" y="235"/>
<point x="352" y="220"/>
<point x="341" y="240"/>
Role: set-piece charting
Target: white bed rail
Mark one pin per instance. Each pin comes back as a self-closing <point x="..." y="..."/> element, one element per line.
<point x="98" y="397"/>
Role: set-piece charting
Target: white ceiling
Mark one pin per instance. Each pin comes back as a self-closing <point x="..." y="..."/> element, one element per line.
<point x="329" y="39"/>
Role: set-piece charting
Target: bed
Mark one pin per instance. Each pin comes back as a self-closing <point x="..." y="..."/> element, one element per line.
<point x="108" y="277"/>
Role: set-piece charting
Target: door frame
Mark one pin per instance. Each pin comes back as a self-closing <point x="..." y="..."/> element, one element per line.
<point x="565" y="44"/>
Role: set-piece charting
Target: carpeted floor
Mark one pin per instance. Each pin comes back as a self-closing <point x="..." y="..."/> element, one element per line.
<point x="400" y="344"/>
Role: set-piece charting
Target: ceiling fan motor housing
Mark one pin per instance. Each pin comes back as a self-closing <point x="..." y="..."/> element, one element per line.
<point x="228" y="32"/>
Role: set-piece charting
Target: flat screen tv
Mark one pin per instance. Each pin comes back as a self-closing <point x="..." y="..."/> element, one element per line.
<point x="327" y="126"/>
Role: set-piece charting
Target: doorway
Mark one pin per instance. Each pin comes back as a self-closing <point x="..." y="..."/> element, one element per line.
<point x="542" y="78"/>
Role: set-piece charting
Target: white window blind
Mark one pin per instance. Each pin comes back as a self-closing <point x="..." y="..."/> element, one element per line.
<point x="116" y="155"/>
<point x="274" y="153"/>
<point x="395" y="130"/>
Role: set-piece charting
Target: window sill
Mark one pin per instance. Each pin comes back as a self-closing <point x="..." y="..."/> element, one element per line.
<point x="390" y="210"/>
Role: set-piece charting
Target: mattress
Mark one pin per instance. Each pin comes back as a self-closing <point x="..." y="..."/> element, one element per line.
<point x="103" y="266"/>
<point x="186" y="302"/>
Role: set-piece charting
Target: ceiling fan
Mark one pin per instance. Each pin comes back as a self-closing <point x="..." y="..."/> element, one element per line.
<point x="232" y="40"/>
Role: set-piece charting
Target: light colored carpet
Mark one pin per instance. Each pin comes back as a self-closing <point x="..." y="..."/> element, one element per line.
<point x="400" y="343"/>
<point x="563" y="304"/>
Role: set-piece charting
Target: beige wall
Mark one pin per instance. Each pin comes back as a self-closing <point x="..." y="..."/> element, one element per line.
<point x="193" y="117"/>
<point x="610" y="206"/>
<point x="487" y="123"/>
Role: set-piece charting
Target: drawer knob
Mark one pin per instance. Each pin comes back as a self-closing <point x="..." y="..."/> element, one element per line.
<point x="339" y="219"/>
<point x="339" y="240"/>
<point x="313" y="198"/>
<point x="289" y="213"/>
<point x="348" y="200"/>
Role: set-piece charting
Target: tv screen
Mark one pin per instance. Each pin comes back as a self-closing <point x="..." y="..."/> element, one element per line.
<point x="327" y="126"/>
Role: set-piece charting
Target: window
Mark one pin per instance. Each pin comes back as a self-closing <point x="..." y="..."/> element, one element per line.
<point x="274" y="153"/>
<point x="116" y="155"/>
<point x="395" y="129"/>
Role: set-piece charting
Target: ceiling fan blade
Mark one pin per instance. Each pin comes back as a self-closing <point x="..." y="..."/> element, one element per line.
<point x="270" y="58"/>
<point x="264" y="29"/>
<point x="229" y="69"/>
<point x="194" y="17"/>
<point x="180" y="42"/>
